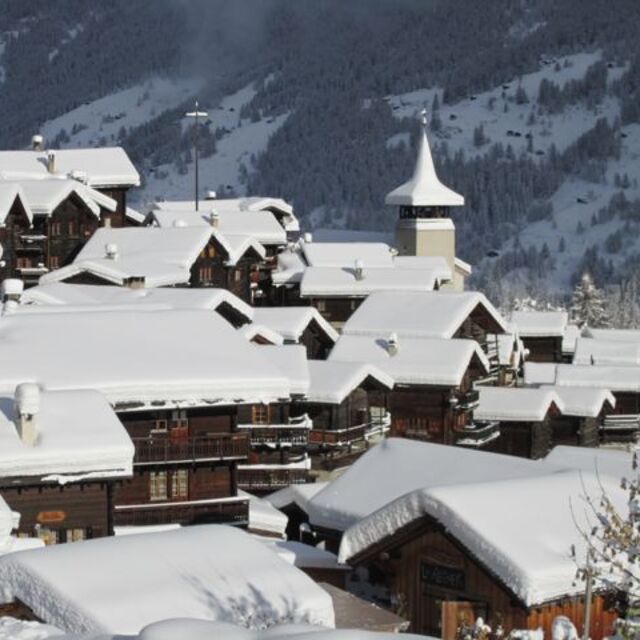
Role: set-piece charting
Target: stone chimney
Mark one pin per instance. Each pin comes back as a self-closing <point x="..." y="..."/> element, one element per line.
<point x="51" y="162"/>
<point x="111" y="251"/>
<point x="211" y="195"/>
<point x="359" y="270"/>
<point x="27" y="405"/>
<point x="37" y="143"/>
<point x="307" y="237"/>
<point x="214" y="218"/>
<point x="392" y="344"/>
<point x="12" y="289"/>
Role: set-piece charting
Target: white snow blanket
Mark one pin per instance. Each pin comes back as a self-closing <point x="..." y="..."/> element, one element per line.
<point x="120" y="585"/>
<point x="528" y="550"/>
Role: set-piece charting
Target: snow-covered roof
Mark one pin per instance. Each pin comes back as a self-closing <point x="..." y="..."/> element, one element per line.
<point x="298" y="494"/>
<point x="345" y="254"/>
<point x="424" y="189"/>
<point x="254" y="332"/>
<point x="594" y="351"/>
<point x="353" y="235"/>
<point x="612" y="462"/>
<point x="331" y="381"/>
<point x="537" y="373"/>
<point x="210" y="362"/>
<point x="417" y="361"/>
<point x="437" y="264"/>
<point x="342" y="281"/>
<point x="291" y="361"/>
<point x="264" y="517"/>
<point x="262" y="226"/>
<point x="102" y="166"/>
<point x="62" y="294"/>
<point x="605" y="377"/>
<point x="433" y="314"/>
<point x="290" y="267"/>
<point x="532" y="561"/>
<point x="121" y="584"/>
<point x="163" y="257"/>
<point x="614" y="335"/>
<point x="397" y="466"/>
<point x="135" y="215"/>
<point x="292" y="322"/>
<point x="584" y="402"/>
<point x="79" y="434"/>
<point x="540" y="324"/>
<point x="571" y="334"/>
<point x="305" y="556"/>
<point x="515" y="404"/>
<point x="9" y="193"/>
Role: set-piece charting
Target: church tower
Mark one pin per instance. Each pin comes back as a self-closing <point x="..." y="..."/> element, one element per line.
<point x="424" y="227"/>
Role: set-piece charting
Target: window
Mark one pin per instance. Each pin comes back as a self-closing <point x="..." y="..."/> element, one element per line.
<point x="180" y="484"/>
<point x="321" y="305"/>
<point x="206" y="274"/>
<point x="160" y="426"/>
<point x="237" y="276"/>
<point x="48" y="536"/>
<point x="55" y="229"/>
<point x="260" y="414"/>
<point x="71" y="228"/>
<point x="23" y="263"/>
<point x="211" y="251"/>
<point x="54" y="262"/>
<point x="158" y="485"/>
<point x="75" y="535"/>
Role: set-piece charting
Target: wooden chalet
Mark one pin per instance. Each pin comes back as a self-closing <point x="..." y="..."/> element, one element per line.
<point x="525" y="417"/>
<point x="542" y="333"/>
<point x="433" y="397"/>
<point x="183" y="420"/>
<point x="448" y="554"/>
<point x="338" y="403"/>
<point x="61" y="455"/>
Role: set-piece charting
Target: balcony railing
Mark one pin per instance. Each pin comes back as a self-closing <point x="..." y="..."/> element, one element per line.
<point x="620" y="427"/>
<point x="465" y="401"/>
<point x="349" y="435"/>
<point x="275" y="435"/>
<point x="270" y="479"/>
<point x="199" y="448"/>
<point x="478" y="434"/>
<point x="222" y="511"/>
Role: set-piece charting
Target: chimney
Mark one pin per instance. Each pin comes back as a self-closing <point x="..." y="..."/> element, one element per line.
<point x="211" y="195"/>
<point x="12" y="289"/>
<point x="214" y="218"/>
<point x="307" y="237"/>
<point x="106" y="222"/>
<point x="392" y="344"/>
<point x="359" y="270"/>
<point x="111" y="251"/>
<point x="51" y="162"/>
<point x="37" y="143"/>
<point x="27" y="404"/>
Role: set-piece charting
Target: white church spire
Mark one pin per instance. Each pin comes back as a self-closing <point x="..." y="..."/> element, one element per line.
<point x="424" y="189"/>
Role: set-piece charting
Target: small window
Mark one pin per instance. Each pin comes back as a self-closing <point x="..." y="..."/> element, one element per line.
<point x="206" y="274"/>
<point x="160" y="426"/>
<point x="76" y="535"/>
<point x="237" y="275"/>
<point x="71" y="228"/>
<point x="54" y="262"/>
<point x="55" y="229"/>
<point x="157" y="485"/>
<point x="180" y="484"/>
<point x="23" y="263"/>
<point x="211" y="251"/>
<point x="321" y="305"/>
<point x="260" y="414"/>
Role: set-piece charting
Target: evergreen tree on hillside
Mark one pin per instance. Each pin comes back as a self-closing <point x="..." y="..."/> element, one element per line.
<point x="588" y="305"/>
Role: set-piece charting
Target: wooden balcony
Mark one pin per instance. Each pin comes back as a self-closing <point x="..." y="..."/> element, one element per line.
<point x="222" y="511"/>
<point x="276" y="435"/>
<point x="465" y="401"/>
<point x="163" y="449"/>
<point x="620" y="428"/>
<point x="270" y="479"/>
<point x="478" y="434"/>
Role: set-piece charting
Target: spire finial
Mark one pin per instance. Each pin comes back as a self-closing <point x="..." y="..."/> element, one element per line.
<point x="423" y="113"/>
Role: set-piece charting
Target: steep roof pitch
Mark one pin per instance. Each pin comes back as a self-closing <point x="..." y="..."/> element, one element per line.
<point x="584" y="402"/>
<point x="292" y="322"/>
<point x="416" y="361"/>
<point x="436" y="314"/>
<point x="424" y="189"/>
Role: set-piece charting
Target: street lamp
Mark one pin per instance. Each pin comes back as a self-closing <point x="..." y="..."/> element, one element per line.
<point x="196" y="114"/>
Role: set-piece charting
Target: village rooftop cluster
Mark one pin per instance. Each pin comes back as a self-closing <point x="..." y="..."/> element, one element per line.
<point x="210" y="418"/>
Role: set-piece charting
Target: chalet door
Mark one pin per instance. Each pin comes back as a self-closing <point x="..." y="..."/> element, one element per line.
<point x="459" y="612"/>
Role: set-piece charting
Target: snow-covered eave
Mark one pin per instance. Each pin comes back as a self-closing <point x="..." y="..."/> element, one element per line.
<point x="410" y="512"/>
<point x="17" y="194"/>
<point x="253" y="330"/>
<point x="462" y="267"/>
<point x="63" y="472"/>
<point x="337" y="396"/>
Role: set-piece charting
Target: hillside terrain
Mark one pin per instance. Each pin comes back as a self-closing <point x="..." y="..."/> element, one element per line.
<point x="534" y="110"/>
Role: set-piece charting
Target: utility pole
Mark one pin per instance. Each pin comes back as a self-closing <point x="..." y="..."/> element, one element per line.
<point x="196" y="114"/>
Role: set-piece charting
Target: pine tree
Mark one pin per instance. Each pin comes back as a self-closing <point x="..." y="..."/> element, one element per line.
<point x="588" y="305"/>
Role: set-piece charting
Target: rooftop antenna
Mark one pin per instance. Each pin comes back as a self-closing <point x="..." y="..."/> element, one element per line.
<point x="196" y="114"/>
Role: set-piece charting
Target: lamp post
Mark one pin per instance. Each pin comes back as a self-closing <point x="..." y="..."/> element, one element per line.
<point x="196" y="114"/>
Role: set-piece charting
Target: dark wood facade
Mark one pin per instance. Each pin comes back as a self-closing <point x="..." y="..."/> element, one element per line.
<point x="61" y="513"/>
<point x="316" y="341"/>
<point x="185" y="463"/>
<point x="433" y="579"/>
<point x="336" y="310"/>
<point x="544" y="349"/>
<point x="20" y="244"/>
